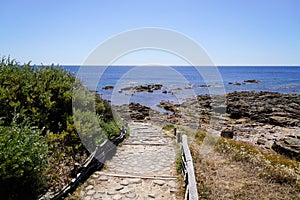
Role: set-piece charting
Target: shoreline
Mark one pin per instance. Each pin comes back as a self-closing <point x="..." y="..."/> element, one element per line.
<point x="267" y="120"/>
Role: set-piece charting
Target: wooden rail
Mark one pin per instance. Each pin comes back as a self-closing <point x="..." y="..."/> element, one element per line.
<point x="188" y="170"/>
<point x="94" y="162"/>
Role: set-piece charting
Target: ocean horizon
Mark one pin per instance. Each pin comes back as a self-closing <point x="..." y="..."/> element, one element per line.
<point x="180" y="82"/>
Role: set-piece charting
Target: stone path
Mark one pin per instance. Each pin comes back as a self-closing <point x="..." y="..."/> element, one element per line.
<point x="143" y="168"/>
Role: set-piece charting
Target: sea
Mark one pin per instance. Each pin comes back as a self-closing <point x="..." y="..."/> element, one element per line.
<point x="181" y="82"/>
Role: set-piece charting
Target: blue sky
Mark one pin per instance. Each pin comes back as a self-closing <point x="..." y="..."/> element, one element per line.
<point x="233" y="32"/>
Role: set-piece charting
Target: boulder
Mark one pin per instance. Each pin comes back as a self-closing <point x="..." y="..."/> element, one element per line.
<point x="288" y="146"/>
<point x="227" y="133"/>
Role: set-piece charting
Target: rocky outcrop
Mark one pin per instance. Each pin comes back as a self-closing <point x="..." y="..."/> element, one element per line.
<point x="265" y="107"/>
<point x="143" y="88"/>
<point x="138" y="112"/>
<point x="289" y="146"/>
<point x="108" y="87"/>
<point x="227" y="133"/>
<point x="169" y="106"/>
<point x="251" y="81"/>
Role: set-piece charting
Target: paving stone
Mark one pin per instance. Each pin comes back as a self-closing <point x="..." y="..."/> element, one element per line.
<point x="101" y="191"/>
<point x="131" y="195"/>
<point x="117" y="197"/>
<point x="124" y="183"/>
<point x="91" y="192"/>
<point x="125" y="191"/>
<point x="135" y="181"/>
<point x="159" y="182"/>
<point x="87" y="198"/>
<point x="103" y="178"/>
<point x="111" y="192"/>
<point x="151" y="196"/>
<point x="172" y="190"/>
<point x="97" y="196"/>
<point x="172" y="184"/>
<point x="89" y="187"/>
<point x="95" y="176"/>
<point x="119" y="187"/>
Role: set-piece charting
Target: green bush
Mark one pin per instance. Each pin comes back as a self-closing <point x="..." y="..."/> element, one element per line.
<point x="23" y="159"/>
<point x="42" y="97"/>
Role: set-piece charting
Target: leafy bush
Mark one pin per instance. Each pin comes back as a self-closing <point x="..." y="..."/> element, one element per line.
<point x="42" y="97"/>
<point x="23" y="159"/>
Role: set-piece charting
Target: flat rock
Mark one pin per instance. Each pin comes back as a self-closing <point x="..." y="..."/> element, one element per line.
<point x="172" y="184"/>
<point x="124" y="183"/>
<point x="159" y="182"/>
<point x="135" y="181"/>
<point x="130" y="195"/>
<point x="91" y="192"/>
<point x="89" y="187"/>
<point x="151" y="196"/>
<point x="111" y="192"/>
<point x="103" y="178"/>
<point x="119" y="187"/>
<point x="117" y="197"/>
<point x="97" y="196"/>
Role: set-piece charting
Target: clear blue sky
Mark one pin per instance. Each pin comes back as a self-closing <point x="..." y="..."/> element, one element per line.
<point x="233" y="32"/>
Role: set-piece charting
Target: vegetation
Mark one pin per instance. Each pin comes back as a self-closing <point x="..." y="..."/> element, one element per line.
<point x="168" y="127"/>
<point x="37" y="123"/>
<point x="179" y="163"/>
<point x="257" y="171"/>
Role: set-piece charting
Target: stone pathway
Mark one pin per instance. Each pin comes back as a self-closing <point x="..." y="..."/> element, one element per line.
<point x="143" y="168"/>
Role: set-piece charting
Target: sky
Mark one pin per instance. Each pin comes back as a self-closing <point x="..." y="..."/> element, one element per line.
<point x="232" y="32"/>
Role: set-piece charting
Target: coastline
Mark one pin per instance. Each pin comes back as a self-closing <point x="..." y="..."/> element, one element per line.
<point x="267" y="120"/>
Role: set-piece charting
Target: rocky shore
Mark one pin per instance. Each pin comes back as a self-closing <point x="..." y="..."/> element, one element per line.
<point x="267" y="120"/>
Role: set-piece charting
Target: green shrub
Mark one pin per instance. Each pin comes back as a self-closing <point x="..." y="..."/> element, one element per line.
<point x="168" y="127"/>
<point x="23" y="159"/>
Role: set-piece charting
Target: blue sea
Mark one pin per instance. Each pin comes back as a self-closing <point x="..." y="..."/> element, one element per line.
<point x="180" y="82"/>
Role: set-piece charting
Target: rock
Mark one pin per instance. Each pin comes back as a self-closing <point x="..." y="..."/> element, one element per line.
<point x="125" y="191"/>
<point x="90" y="187"/>
<point x="124" y="183"/>
<point x="265" y="107"/>
<point x="135" y="181"/>
<point x="169" y="106"/>
<point x="261" y="142"/>
<point x="109" y="87"/>
<point x="98" y="196"/>
<point x="138" y="112"/>
<point x="87" y="198"/>
<point x="103" y="178"/>
<point x="289" y="147"/>
<point x="119" y="187"/>
<point x="91" y="192"/>
<point x="130" y="195"/>
<point x="227" y="133"/>
<point x="151" y="196"/>
<point x="251" y="81"/>
<point x="117" y="197"/>
<point x="159" y="182"/>
<point x="172" y="184"/>
<point x="111" y="192"/>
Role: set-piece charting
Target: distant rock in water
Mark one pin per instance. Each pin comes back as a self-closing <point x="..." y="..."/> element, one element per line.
<point x="143" y="88"/>
<point x="109" y="87"/>
<point x="235" y="83"/>
<point x="251" y="81"/>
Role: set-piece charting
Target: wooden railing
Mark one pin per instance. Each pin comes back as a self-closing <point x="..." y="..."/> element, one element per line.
<point x="191" y="192"/>
<point x="94" y="162"/>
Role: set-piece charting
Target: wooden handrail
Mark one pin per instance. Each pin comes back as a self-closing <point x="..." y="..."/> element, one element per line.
<point x="188" y="171"/>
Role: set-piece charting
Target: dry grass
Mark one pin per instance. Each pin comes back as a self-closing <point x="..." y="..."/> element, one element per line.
<point x="237" y="170"/>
